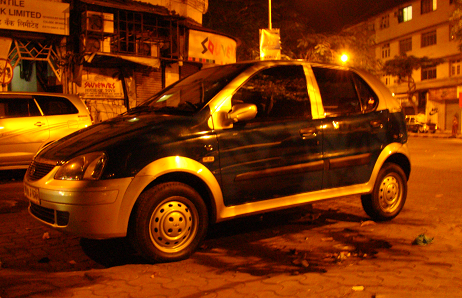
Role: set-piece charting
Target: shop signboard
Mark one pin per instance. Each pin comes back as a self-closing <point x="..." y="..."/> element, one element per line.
<point x="100" y="83"/>
<point x="442" y="94"/>
<point x="207" y="47"/>
<point x="35" y="16"/>
<point x="270" y="44"/>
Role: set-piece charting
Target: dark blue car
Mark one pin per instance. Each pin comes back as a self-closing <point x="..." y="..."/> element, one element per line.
<point x="225" y="142"/>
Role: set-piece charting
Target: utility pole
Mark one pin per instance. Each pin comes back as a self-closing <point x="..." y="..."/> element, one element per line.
<point x="270" y="26"/>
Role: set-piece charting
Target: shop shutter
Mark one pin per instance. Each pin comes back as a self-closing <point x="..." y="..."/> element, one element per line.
<point x="148" y="83"/>
<point x="189" y="68"/>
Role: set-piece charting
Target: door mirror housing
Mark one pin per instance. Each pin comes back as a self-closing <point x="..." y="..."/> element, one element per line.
<point x="242" y="112"/>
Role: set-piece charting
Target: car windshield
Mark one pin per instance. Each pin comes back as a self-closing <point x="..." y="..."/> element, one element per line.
<point x="193" y="92"/>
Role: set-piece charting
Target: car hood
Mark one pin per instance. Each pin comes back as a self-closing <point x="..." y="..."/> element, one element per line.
<point x="117" y="136"/>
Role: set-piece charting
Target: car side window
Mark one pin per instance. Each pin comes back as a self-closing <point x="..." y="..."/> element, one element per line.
<point x="369" y="99"/>
<point x="18" y="107"/>
<point x="338" y="92"/>
<point x="278" y="92"/>
<point x="52" y="105"/>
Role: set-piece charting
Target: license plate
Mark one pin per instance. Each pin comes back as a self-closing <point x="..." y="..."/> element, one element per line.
<point x="32" y="194"/>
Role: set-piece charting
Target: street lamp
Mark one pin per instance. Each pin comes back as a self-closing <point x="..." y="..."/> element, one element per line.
<point x="344" y="58"/>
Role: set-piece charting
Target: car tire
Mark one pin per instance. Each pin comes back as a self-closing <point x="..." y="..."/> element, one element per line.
<point x="389" y="194"/>
<point x="168" y="222"/>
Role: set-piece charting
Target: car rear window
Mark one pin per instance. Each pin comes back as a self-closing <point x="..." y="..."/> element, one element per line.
<point x="52" y="105"/>
<point x="338" y="92"/>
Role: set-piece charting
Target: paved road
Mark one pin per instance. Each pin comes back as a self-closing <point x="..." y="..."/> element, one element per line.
<point x="331" y="250"/>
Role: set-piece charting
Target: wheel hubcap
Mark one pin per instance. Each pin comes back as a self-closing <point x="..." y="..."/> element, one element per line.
<point x="173" y="225"/>
<point x="390" y="194"/>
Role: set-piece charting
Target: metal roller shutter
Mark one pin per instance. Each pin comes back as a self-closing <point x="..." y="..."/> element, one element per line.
<point x="147" y="83"/>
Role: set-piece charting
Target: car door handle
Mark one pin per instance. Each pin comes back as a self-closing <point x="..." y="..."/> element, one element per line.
<point x="376" y="124"/>
<point x="308" y="133"/>
<point x="39" y="123"/>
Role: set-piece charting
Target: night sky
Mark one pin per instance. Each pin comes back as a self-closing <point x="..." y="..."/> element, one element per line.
<point x="333" y="15"/>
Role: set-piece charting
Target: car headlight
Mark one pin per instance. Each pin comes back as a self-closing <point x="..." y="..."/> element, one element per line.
<point x="84" y="167"/>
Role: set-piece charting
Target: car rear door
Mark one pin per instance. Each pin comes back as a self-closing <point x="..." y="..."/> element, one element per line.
<point x="354" y="132"/>
<point x="62" y="115"/>
<point x="279" y="152"/>
<point x="23" y="130"/>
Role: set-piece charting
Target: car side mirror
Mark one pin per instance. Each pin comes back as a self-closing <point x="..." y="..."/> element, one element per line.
<point x="242" y="112"/>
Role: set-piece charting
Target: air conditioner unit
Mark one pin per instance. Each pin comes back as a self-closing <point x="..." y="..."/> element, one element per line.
<point x="92" y="45"/>
<point x="147" y="48"/>
<point x="98" y="21"/>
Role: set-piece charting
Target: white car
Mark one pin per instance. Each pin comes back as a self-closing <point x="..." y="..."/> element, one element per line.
<point x="30" y="121"/>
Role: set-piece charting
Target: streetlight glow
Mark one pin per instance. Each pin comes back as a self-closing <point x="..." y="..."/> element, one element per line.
<point x="344" y="58"/>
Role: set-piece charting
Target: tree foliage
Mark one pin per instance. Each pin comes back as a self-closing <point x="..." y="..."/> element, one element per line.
<point x="403" y="67"/>
<point x="456" y="22"/>
<point x="244" y="18"/>
<point x="328" y="48"/>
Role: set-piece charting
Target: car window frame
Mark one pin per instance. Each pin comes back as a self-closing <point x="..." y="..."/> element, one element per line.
<point x="70" y="105"/>
<point x="29" y="100"/>
<point x="263" y="119"/>
<point x="349" y="75"/>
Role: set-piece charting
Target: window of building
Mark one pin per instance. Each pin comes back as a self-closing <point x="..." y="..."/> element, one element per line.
<point x="385" y="22"/>
<point x="386" y="51"/>
<point x="427" y="6"/>
<point x="131" y="32"/>
<point x="387" y="79"/>
<point x="455" y="65"/>
<point x="405" y="14"/>
<point x="428" y="73"/>
<point x="405" y="45"/>
<point x="428" y="38"/>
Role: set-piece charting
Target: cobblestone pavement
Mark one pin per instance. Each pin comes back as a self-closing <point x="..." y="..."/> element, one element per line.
<point x="329" y="250"/>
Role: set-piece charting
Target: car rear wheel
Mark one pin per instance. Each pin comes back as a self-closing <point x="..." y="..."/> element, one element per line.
<point x="389" y="194"/>
<point x="168" y="223"/>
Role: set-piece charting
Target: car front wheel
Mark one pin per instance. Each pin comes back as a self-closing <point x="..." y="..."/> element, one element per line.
<point x="389" y="194"/>
<point x="168" y="223"/>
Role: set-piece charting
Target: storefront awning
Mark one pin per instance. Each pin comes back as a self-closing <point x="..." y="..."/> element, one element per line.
<point x="131" y="6"/>
<point x="147" y="61"/>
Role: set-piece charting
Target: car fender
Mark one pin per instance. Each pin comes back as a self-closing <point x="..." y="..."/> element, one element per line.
<point x="159" y="168"/>
<point x="389" y="151"/>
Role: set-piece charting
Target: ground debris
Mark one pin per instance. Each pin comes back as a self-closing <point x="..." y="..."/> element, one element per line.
<point x="367" y="223"/>
<point x="422" y="239"/>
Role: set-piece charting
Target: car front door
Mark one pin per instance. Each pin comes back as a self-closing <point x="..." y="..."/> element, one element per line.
<point x="354" y="133"/>
<point x="279" y="152"/>
<point x="23" y="130"/>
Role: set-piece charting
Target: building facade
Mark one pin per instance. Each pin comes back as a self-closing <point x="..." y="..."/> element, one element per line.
<point x="113" y="53"/>
<point x="422" y="28"/>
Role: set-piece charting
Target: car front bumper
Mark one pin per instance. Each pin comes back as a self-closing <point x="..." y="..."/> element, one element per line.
<point x="90" y="209"/>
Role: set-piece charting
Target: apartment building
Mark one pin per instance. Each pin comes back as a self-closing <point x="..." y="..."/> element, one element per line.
<point x="422" y="28"/>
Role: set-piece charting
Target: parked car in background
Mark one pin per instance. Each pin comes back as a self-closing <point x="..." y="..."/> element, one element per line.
<point x="226" y="142"/>
<point x="29" y="121"/>
<point x="415" y="123"/>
